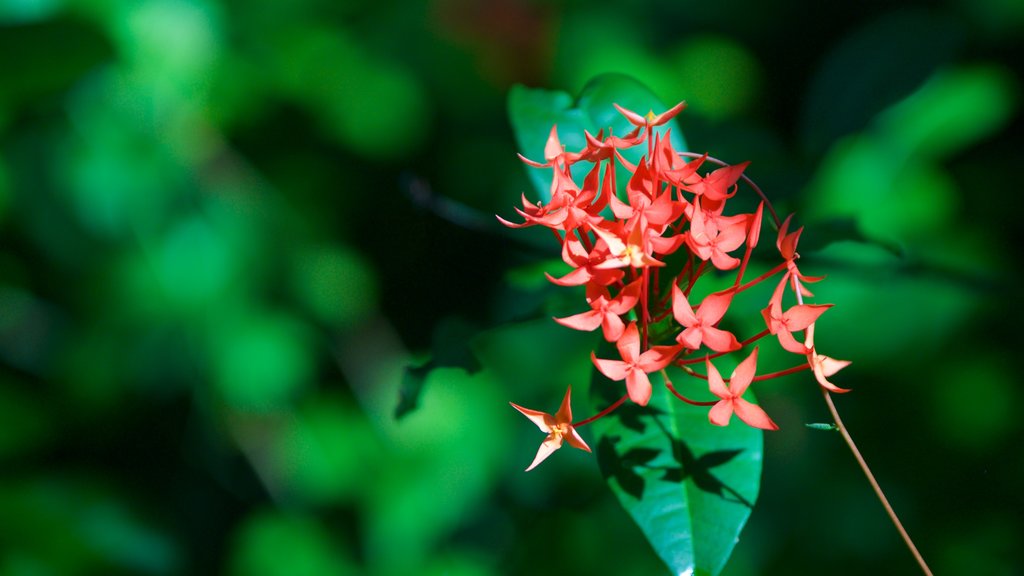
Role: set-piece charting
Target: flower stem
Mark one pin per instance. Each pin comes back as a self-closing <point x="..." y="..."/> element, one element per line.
<point x="745" y="178"/>
<point x="672" y="389"/>
<point x="602" y="413"/>
<point x="874" y="484"/>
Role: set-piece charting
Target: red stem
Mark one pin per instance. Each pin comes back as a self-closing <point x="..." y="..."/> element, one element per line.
<point x="763" y="377"/>
<point x="672" y="389"/>
<point x="743" y="344"/>
<point x="761" y="278"/>
<point x="602" y="413"/>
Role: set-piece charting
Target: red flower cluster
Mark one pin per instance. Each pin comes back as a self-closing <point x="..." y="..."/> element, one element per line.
<point x="675" y="210"/>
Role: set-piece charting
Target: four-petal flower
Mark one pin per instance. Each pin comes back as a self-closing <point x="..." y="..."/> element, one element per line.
<point x="559" y="427"/>
<point x="634" y="366"/>
<point x="731" y="396"/>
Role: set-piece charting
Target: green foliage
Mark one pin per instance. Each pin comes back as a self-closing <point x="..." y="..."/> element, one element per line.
<point x="690" y="486"/>
<point x="217" y="259"/>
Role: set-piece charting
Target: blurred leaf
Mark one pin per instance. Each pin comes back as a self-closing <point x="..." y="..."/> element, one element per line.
<point x="336" y="283"/>
<point x="891" y="199"/>
<point x="533" y="111"/>
<point x="450" y="350"/>
<point x="690" y="486"/>
<point x="821" y="234"/>
<point x="262" y="361"/>
<point x="953" y="110"/>
<point x="27" y="423"/>
<point x="720" y="76"/>
<point x="5" y="183"/>
<point x="33" y="68"/>
<point x="323" y="453"/>
<point x="921" y="308"/>
<point x="70" y="526"/>
<point x="874" y="67"/>
<point x="267" y="537"/>
<point x="372" y="104"/>
<point x="536" y="355"/>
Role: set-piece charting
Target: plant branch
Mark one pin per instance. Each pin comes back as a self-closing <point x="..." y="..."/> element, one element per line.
<point x="874" y="484"/>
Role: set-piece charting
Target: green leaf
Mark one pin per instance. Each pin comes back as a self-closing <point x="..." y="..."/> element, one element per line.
<point x="450" y="350"/>
<point x="690" y="486"/>
<point x="534" y="111"/>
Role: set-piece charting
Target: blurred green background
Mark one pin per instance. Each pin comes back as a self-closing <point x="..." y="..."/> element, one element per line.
<point x="227" y="228"/>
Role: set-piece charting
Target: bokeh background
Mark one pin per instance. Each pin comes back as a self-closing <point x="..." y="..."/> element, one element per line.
<point x="227" y="229"/>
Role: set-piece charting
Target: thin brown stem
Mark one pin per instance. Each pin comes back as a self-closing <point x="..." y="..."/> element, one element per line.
<point x="874" y="484"/>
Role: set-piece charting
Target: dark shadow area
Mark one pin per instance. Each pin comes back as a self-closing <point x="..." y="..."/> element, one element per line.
<point x="624" y="467"/>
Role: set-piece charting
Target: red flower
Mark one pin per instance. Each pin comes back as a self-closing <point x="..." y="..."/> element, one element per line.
<point x="558" y="427"/>
<point x="630" y="249"/>
<point x="647" y="206"/>
<point x="605" y="312"/>
<point x="823" y="366"/>
<point x="731" y="396"/>
<point x="585" y="264"/>
<point x="720" y="184"/>
<point x="650" y="119"/>
<point x="700" y="326"/>
<point x="599" y="148"/>
<point x="797" y="318"/>
<point x="634" y="366"/>
<point x="554" y="153"/>
<point x="786" y="244"/>
<point x="709" y="242"/>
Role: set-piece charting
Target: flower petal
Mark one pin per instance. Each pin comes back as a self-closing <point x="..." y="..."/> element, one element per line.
<point x="714" y="306"/>
<point x="719" y="340"/>
<point x="743" y="375"/>
<point x="612" y="327"/>
<point x="681" y="309"/>
<point x="754" y="232"/>
<point x="564" y="414"/>
<point x="754" y="415"/>
<point x="801" y="316"/>
<point x="585" y="321"/>
<point x="721" y="413"/>
<point x="789" y="343"/>
<point x="657" y="358"/>
<point x="629" y="344"/>
<point x="715" y="382"/>
<point x="575" y="440"/>
<point x="543" y="420"/>
<point x="613" y="369"/>
<point x="546" y="448"/>
<point x="638" y="385"/>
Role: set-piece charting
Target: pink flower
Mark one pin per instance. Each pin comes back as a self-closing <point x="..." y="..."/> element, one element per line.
<point x="823" y="366"/>
<point x="626" y="248"/>
<point x="700" y="326"/>
<point x="634" y="366"/>
<point x="605" y="311"/>
<point x="585" y="264"/>
<point x="720" y="184"/>
<point x="559" y="427"/>
<point x="650" y="119"/>
<point x="786" y="243"/>
<point x="554" y="153"/>
<point x="710" y="242"/>
<point x="731" y="396"/>
<point x="797" y="318"/>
